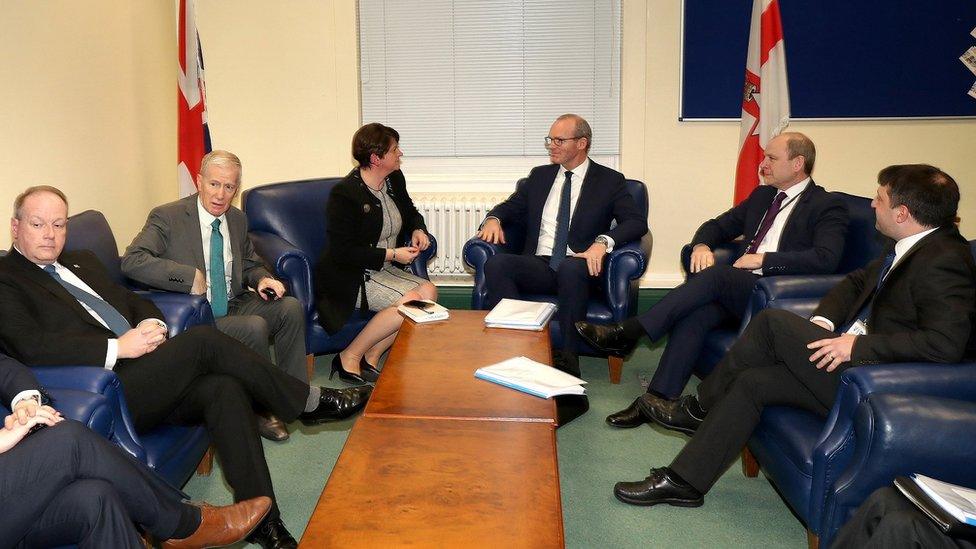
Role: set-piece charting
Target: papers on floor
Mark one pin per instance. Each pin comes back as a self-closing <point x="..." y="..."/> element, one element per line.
<point x="534" y="378"/>
<point x="520" y="315"/>
<point x="423" y="310"/>
<point x="957" y="501"/>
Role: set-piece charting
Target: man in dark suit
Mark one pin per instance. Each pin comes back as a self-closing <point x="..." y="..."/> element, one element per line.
<point x="566" y="209"/>
<point x="64" y="485"/>
<point x="175" y="251"/>
<point x="794" y="227"/>
<point x="62" y="308"/>
<point x="917" y="303"/>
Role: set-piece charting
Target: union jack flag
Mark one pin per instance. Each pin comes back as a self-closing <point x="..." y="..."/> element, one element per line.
<point x="193" y="136"/>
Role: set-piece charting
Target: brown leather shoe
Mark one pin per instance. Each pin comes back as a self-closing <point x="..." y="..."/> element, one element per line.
<point x="272" y="428"/>
<point x="221" y="526"/>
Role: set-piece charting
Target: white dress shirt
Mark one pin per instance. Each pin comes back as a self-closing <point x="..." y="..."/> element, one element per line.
<point x="901" y="247"/>
<point x="547" y="229"/>
<point x="112" y="348"/>
<point x="770" y="242"/>
<point x="206" y="219"/>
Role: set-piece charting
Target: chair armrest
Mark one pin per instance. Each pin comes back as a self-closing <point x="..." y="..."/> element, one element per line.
<point x="624" y="266"/>
<point x="99" y="381"/>
<point x="476" y="253"/>
<point x="290" y="264"/>
<point x="181" y="311"/>
<point x="797" y="293"/>
<point x="419" y="266"/>
<point x="898" y="435"/>
<point x="90" y="409"/>
<point x="835" y="448"/>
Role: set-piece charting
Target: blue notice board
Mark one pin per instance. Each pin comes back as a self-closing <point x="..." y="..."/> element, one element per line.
<point x="844" y="58"/>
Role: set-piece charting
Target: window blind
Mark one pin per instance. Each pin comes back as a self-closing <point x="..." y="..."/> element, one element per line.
<point x="469" y="78"/>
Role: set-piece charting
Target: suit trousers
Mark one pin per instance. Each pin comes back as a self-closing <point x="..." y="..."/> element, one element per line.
<point x="65" y="484"/>
<point x="887" y="520"/>
<point x="512" y="276"/>
<point x="205" y="376"/>
<point x="254" y="322"/>
<point x="715" y="296"/>
<point x="769" y="365"/>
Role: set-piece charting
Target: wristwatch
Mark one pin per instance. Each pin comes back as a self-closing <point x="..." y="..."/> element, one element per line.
<point x="602" y="240"/>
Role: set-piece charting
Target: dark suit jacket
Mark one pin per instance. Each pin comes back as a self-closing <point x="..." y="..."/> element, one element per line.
<point x="354" y="221"/>
<point x="602" y="199"/>
<point x="169" y="249"/>
<point x="925" y="310"/>
<point x="45" y="325"/>
<point x="812" y="240"/>
<point x="14" y="378"/>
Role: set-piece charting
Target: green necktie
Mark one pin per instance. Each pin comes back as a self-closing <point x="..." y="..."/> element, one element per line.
<point x="218" y="284"/>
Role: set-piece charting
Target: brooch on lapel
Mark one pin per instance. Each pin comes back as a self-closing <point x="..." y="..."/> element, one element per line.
<point x="366" y="208"/>
<point x="76" y="266"/>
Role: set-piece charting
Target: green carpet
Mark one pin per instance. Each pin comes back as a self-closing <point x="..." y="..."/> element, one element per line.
<point x="738" y="512"/>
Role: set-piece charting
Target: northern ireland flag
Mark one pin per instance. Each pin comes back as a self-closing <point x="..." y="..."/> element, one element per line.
<point x="765" y="97"/>
<point x="193" y="136"/>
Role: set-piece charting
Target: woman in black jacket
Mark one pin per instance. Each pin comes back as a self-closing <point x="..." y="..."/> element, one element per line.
<point x="369" y="215"/>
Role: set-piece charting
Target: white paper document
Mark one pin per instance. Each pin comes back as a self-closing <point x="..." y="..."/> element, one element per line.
<point x="958" y="501"/>
<point x="534" y="378"/>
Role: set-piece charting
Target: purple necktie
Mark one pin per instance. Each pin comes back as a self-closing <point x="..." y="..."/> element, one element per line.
<point x="767" y="222"/>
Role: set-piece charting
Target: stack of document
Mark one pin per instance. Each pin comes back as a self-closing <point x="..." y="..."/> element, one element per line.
<point x="531" y="377"/>
<point x="423" y="310"/>
<point x="520" y="315"/>
<point x="951" y="507"/>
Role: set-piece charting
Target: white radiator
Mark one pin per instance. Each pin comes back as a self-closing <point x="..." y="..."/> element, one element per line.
<point x="453" y="218"/>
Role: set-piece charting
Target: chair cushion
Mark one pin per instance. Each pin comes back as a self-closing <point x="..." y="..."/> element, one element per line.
<point x="174" y="451"/>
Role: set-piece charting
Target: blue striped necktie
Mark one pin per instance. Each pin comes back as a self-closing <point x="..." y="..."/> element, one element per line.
<point x="218" y="281"/>
<point x="561" y="239"/>
<point x="103" y="309"/>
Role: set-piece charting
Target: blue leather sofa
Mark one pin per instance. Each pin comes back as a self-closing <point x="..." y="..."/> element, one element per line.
<point x="172" y="451"/>
<point x="287" y="224"/>
<point x="862" y="244"/>
<point x="624" y="267"/>
<point x="825" y="468"/>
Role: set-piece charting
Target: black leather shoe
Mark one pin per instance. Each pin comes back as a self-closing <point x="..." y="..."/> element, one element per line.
<point x="336" y="404"/>
<point x="272" y="428"/>
<point x="344" y="374"/>
<point x="662" y="486"/>
<point x="272" y="534"/>
<point x="608" y="338"/>
<point x="367" y="371"/>
<point x="628" y="418"/>
<point x="683" y="415"/>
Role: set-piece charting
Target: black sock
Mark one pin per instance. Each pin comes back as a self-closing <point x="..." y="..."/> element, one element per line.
<point x="632" y="328"/>
<point x="190" y="520"/>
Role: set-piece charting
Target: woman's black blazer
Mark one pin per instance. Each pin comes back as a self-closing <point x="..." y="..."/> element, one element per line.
<point x="354" y="219"/>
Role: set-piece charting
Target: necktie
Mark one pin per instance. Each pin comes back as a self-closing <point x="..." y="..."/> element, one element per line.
<point x="865" y="311"/>
<point x="767" y="222"/>
<point x="562" y="224"/>
<point x="109" y="314"/>
<point x="218" y="282"/>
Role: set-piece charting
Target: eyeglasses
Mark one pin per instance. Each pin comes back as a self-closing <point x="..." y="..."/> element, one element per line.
<point x="560" y="140"/>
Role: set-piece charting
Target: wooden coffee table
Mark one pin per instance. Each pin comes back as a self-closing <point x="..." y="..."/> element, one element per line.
<point x="443" y="459"/>
<point x="407" y="482"/>
<point x="430" y="372"/>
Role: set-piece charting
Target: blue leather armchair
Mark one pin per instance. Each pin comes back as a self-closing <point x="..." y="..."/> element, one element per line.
<point x="862" y="244"/>
<point x="624" y="267"/>
<point x="94" y="395"/>
<point x="825" y="468"/>
<point x="286" y="222"/>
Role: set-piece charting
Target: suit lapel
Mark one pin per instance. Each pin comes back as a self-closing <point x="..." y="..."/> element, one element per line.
<point x="35" y="275"/>
<point x="802" y="202"/>
<point x="588" y="193"/>
<point x="236" y="228"/>
<point x="191" y="228"/>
